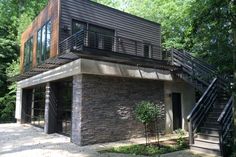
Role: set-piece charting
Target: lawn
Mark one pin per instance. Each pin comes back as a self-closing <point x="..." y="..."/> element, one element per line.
<point x="150" y="149"/>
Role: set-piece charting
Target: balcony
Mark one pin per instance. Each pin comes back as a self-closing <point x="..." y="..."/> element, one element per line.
<point x="97" y="46"/>
<point x="97" y="42"/>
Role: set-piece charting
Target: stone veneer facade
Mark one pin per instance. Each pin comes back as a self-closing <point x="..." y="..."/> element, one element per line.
<point x="103" y="107"/>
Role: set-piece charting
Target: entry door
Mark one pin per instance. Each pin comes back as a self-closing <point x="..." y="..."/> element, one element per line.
<point x="176" y="108"/>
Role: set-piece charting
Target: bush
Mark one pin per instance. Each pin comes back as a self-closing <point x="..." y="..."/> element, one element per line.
<point x="146" y="112"/>
<point x="180" y="141"/>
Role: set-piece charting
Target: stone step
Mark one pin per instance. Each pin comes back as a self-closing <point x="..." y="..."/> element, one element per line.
<point x="205" y="149"/>
<point x="207" y="136"/>
<point x="207" y="143"/>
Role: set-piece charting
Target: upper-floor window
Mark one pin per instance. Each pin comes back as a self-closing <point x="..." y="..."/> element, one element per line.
<point x="78" y="26"/>
<point x="96" y="36"/>
<point x="100" y="37"/>
<point x="147" y="50"/>
<point x="28" y="52"/>
<point x="44" y="42"/>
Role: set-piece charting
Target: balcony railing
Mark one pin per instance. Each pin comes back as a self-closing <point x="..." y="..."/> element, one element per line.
<point x="98" y="41"/>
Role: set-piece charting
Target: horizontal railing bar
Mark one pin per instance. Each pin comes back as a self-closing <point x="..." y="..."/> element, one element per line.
<point x="184" y="58"/>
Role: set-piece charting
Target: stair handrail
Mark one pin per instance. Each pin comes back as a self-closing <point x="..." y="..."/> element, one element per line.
<point x="197" y="61"/>
<point x="194" y="67"/>
<point x="225" y="120"/>
<point x="202" y="107"/>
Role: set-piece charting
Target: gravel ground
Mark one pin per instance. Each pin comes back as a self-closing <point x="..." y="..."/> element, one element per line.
<point x="28" y="141"/>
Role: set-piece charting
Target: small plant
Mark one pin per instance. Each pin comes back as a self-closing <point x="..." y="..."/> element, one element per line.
<point x="180" y="141"/>
<point x="146" y="112"/>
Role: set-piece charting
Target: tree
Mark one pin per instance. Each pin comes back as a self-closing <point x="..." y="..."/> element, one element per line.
<point x="15" y="15"/>
<point x="146" y="112"/>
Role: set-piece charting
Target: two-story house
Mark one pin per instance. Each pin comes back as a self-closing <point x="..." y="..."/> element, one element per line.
<point x="85" y="66"/>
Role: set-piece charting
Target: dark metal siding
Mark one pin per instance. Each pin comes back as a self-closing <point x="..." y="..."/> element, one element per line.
<point x="125" y="25"/>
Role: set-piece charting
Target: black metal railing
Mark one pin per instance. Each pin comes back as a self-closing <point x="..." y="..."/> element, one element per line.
<point x="226" y="120"/>
<point x="201" y="109"/>
<point x="99" y="41"/>
<point x="194" y="67"/>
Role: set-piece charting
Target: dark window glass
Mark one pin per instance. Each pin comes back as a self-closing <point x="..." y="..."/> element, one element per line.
<point x="39" y="46"/>
<point x="38" y="106"/>
<point x="44" y="35"/>
<point x="28" y="53"/>
<point x="101" y="38"/>
<point x="78" y="26"/>
<point x="44" y="42"/>
<point x="48" y="40"/>
<point x="147" y="50"/>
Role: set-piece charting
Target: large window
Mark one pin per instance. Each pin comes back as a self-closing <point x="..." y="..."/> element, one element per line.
<point x="28" y="52"/>
<point x="44" y="42"/>
<point x="96" y="37"/>
<point x="38" y="106"/>
<point x="101" y="38"/>
<point x="78" y="26"/>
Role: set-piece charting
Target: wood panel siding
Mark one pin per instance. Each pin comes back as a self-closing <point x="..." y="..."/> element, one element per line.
<point x="125" y="25"/>
<point x="50" y="12"/>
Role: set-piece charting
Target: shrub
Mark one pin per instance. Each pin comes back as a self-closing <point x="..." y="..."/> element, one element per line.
<point x="146" y="112"/>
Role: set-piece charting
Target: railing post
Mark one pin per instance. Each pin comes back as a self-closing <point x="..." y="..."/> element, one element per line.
<point x="172" y="57"/>
<point x="221" y="140"/>
<point x="190" y="131"/>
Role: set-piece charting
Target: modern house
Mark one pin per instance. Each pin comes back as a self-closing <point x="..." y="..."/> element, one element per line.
<point x="85" y="66"/>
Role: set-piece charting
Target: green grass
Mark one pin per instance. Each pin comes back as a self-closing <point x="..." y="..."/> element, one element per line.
<point x="144" y="150"/>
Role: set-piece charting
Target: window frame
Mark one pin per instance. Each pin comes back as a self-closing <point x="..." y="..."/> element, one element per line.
<point x="43" y="53"/>
<point x="149" y="50"/>
<point x="28" y="53"/>
<point x="100" y="44"/>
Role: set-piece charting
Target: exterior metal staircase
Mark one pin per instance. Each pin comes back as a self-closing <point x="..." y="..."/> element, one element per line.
<point x="210" y="121"/>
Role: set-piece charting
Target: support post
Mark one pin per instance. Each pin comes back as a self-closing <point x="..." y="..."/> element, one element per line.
<point x="50" y="110"/>
<point x="18" y="108"/>
<point x="76" y="110"/>
<point x="190" y="131"/>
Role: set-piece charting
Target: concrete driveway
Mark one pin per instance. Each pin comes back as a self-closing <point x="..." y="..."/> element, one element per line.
<point x="28" y="141"/>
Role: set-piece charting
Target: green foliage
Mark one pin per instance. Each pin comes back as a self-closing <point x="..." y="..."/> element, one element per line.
<point x="149" y="150"/>
<point x="7" y="102"/>
<point x="15" y="17"/>
<point x="202" y="27"/>
<point x="181" y="141"/>
<point x="146" y="112"/>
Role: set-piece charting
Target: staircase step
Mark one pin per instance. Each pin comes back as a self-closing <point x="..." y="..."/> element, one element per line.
<point x="207" y="130"/>
<point x="205" y="149"/>
<point x="209" y="124"/>
<point x="214" y="114"/>
<point x="217" y="109"/>
<point x="212" y="119"/>
<point x="208" y="136"/>
<point x="207" y="143"/>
